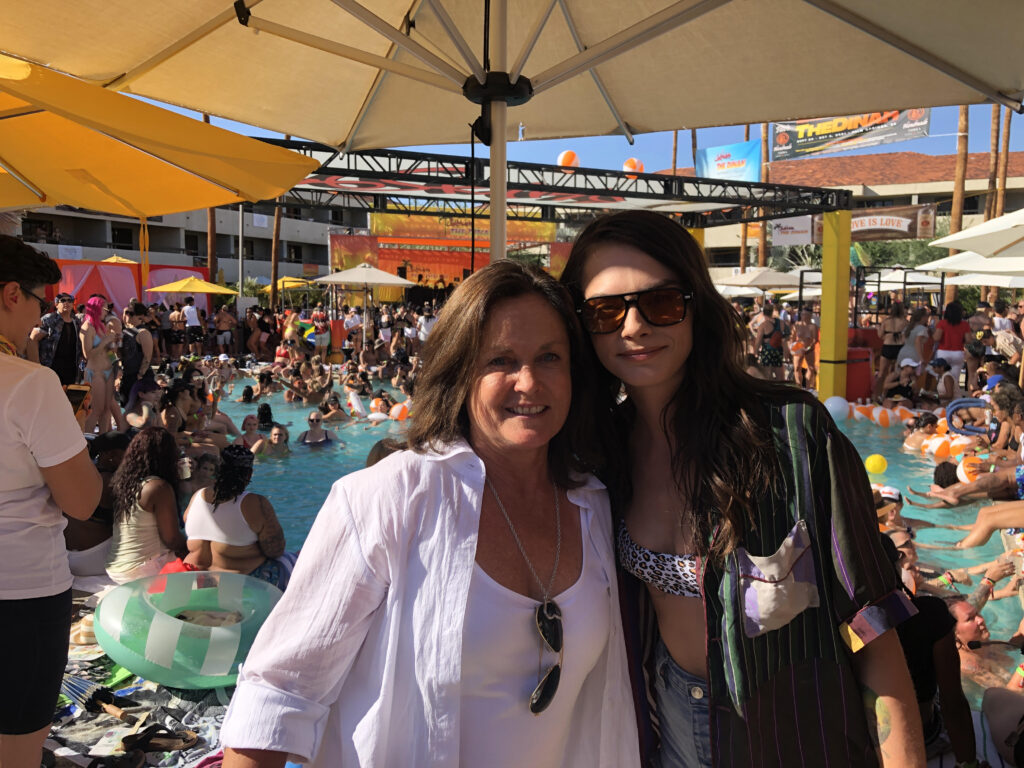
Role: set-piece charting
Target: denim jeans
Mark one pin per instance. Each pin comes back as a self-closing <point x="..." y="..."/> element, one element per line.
<point x="684" y="713"/>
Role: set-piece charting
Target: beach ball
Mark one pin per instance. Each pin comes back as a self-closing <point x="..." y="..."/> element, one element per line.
<point x="876" y="464"/>
<point x="960" y="444"/>
<point x="632" y="165"/>
<point x="968" y="470"/>
<point x="862" y="412"/>
<point x="942" y="427"/>
<point x="939" y="447"/>
<point x="400" y="412"/>
<point x="883" y="417"/>
<point x="904" y="414"/>
<point x="568" y="159"/>
<point x="940" y="412"/>
<point x="837" y="407"/>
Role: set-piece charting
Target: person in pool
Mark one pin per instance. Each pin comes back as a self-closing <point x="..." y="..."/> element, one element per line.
<point x="316" y="434"/>
<point x="746" y="528"/>
<point x="920" y="429"/>
<point x="274" y="446"/>
<point x="233" y="531"/>
<point x="333" y="412"/>
<point x="250" y="432"/>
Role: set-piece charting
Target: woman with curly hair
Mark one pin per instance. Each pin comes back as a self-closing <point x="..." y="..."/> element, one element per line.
<point x="146" y="532"/>
<point x="231" y="530"/>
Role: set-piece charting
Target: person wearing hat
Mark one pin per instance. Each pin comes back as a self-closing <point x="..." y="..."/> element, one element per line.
<point x="45" y="471"/>
<point x="425" y="324"/>
<point x="54" y="342"/>
<point x="899" y="384"/>
<point x="947" y="388"/>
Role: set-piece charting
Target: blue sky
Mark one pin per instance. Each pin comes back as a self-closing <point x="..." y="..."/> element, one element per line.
<point x="655" y="149"/>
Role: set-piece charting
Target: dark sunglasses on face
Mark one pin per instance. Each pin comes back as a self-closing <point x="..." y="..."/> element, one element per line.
<point x="658" y="306"/>
<point x="314" y="421"/>
<point x="548" y="618"/>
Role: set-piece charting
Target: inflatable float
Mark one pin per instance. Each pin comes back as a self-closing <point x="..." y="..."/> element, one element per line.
<point x="186" y="630"/>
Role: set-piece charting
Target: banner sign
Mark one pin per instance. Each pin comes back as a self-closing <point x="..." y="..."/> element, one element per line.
<point x="456" y="228"/>
<point x="348" y="251"/>
<point x="793" y="231"/>
<point x="835" y="134"/>
<point x="906" y="222"/>
<point x="735" y="162"/>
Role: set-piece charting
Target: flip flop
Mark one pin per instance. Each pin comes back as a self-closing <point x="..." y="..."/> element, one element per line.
<point x="158" y="738"/>
<point x="134" y="759"/>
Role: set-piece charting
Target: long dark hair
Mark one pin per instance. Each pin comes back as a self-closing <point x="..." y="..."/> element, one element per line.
<point x="953" y="313"/>
<point x="716" y="423"/>
<point x="233" y="475"/>
<point x="450" y="358"/>
<point x="151" y="453"/>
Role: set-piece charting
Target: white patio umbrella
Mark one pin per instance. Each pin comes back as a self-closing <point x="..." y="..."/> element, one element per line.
<point x="365" y="275"/>
<point x="1001" y="281"/>
<point x="969" y="261"/>
<point x="400" y="72"/>
<point x="735" y="291"/>
<point x="767" y="279"/>
<point x="1002" y="236"/>
<point x="810" y="292"/>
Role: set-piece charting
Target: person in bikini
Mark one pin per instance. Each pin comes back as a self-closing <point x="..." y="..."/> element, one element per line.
<point x="803" y="350"/>
<point x="890" y="331"/>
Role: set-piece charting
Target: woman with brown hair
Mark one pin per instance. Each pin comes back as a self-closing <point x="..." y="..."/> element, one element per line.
<point x="892" y="332"/>
<point x="746" y="527"/>
<point x="456" y="603"/>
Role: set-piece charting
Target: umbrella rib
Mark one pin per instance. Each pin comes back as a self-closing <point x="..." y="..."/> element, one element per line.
<point x="354" y="54"/>
<point x="653" y="26"/>
<point x="915" y="52"/>
<point x="593" y="73"/>
<point x="377" y="24"/>
<point x="123" y="81"/>
<point x="19" y="112"/>
<point x="22" y="179"/>
<point x="997" y="251"/>
<point x="530" y="42"/>
<point x="460" y="42"/>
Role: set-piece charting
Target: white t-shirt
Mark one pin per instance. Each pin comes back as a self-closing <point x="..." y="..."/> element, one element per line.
<point x="37" y="429"/>
<point x="500" y="651"/>
<point x="1002" y="323"/>
<point x="191" y="315"/>
<point x="425" y="325"/>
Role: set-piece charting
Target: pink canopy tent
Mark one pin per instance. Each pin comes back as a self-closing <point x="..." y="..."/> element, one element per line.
<point x="120" y="283"/>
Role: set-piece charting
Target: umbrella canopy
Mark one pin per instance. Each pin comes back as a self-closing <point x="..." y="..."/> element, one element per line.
<point x="736" y="291"/>
<point x="564" y="67"/>
<point x="115" y="259"/>
<point x="766" y="280"/>
<point x="1000" y="281"/>
<point x="810" y="292"/>
<point x="66" y="141"/>
<point x="191" y="285"/>
<point x="1002" y="236"/>
<point x="364" y="274"/>
<point x="288" y="283"/>
<point x="969" y="261"/>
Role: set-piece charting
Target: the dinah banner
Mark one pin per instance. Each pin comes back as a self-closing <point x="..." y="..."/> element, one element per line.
<point x="835" y="134"/>
<point x="735" y="162"/>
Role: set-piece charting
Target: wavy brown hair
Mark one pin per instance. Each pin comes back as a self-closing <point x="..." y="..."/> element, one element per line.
<point x="450" y="361"/>
<point x="717" y="422"/>
<point x="151" y="453"/>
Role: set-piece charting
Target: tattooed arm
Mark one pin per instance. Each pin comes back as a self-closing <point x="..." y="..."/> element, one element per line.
<point x="888" y="694"/>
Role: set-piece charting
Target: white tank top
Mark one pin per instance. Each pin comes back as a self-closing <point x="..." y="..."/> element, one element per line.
<point x="225" y="526"/>
<point x="500" y="654"/>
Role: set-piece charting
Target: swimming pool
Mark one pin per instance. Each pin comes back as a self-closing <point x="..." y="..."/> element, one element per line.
<point x="298" y="484"/>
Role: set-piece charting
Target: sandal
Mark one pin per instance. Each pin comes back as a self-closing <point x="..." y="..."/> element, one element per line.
<point x="158" y="738"/>
<point x="135" y="759"/>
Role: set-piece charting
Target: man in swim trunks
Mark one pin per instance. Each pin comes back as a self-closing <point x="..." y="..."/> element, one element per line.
<point x="803" y="352"/>
<point x="196" y="334"/>
<point x="224" y="321"/>
<point x="176" y="337"/>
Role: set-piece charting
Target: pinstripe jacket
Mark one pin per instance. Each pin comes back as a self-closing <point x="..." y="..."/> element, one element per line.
<point x="809" y="586"/>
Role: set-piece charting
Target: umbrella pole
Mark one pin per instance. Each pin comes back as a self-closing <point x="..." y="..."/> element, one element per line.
<point x="499" y="133"/>
<point x="241" y="268"/>
<point x="366" y="309"/>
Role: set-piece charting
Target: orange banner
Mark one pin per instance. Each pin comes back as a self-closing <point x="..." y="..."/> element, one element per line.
<point x="348" y="251"/>
<point x="559" y="258"/>
<point x="404" y="225"/>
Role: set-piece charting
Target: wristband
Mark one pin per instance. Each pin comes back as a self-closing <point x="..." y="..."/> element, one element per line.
<point x="1020" y="669"/>
<point x="946" y="579"/>
<point x="991" y="582"/>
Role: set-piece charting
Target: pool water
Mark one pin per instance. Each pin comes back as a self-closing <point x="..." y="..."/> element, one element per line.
<point x="915" y="470"/>
<point x="297" y="485"/>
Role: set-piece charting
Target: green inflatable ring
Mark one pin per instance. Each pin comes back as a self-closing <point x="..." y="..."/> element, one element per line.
<point x="138" y="625"/>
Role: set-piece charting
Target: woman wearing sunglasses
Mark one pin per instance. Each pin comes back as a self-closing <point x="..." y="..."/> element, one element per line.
<point x="456" y="603"/>
<point x="316" y="434"/>
<point x="758" y="592"/>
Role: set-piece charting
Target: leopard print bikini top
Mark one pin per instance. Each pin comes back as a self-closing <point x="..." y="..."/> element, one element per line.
<point x="674" y="574"/>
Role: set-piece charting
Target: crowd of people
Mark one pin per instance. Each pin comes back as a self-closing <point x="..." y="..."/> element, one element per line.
<point x="600" y="541"/>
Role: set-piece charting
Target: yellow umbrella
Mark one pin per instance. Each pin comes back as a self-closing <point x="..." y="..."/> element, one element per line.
<point x="288" y="283"/>
<point x="115" y="259"/>
<point x="66" y="141"/>
<point x="191" y="285"/>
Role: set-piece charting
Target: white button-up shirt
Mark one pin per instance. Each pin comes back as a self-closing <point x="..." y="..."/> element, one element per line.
<point x="360" y="662"/>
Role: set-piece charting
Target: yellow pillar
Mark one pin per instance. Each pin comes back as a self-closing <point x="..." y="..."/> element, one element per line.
<point x="835" y="300"/>
<point x="698" y="235"/>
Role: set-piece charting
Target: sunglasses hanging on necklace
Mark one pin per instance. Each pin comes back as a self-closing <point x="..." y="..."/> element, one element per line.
<point x="547" y="616"/>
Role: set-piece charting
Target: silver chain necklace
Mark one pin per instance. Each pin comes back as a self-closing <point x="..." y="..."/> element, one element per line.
<point x="522" y="551"/>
